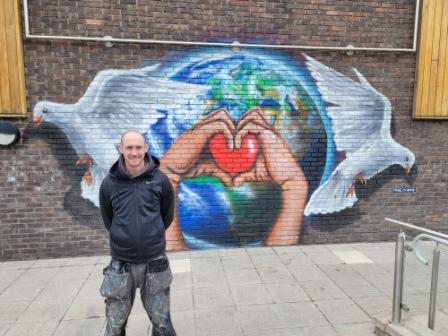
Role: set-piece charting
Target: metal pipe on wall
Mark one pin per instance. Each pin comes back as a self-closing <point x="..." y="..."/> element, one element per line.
<point x="217" y="44"/>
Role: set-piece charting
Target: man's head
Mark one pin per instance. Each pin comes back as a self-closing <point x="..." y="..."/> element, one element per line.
<point x="133" y="148"/>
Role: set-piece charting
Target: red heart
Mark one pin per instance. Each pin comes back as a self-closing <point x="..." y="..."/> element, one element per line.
<point x="234" y="161"/>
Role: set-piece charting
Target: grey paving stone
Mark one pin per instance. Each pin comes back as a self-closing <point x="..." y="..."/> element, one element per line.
<point x="242" y="276"/>
<point x="80" y="261"/>
<point x="280" y="275"/>
<point x="212" y="297"/>
<point x="182" y="281"/>
<point x="267" y="261"/>
<point x="271" y="332"/>
<point x="250" y="294"/>
<point x="16" y="265"/>
<point x="183" y="322"/>
<point x="308" y="273"/>
<point x="90" y="288"/>
<point x="358" y="288"/>
<point x="385" y="285"/>
<point x="417" y="303"/>
<point x="380" y="255"/>
<point x="340" y="247"/>
<point x="286" y="249"/>
<point x="179" y="255"/>
<point x="4" y="327"/>
<point x="11" y="311"/>
<point x="181" y="299"/>
<point x="370" y="270"/>
<point x="252" y="251"/>
<point x="364" y="329"/>
<point x="232" y="252"/>
<point x="85" y="307"/>
<point x="237" y="262"/>
<point x="138" y="324"/>
<point x="375" y="305"/>
<point x="48" y="263"/>
<point x="422" y="283"/>
<point x="315" y="331"/>
<point x="209" y="279"/>
<point x="297" y="259"/>
<point x="314" y="248"/>
<point x="287" y="293"/>
<point x="22" y="291"/>
<point x="322" y="290"/>
<point x="62" y="291"/>
<point x="204" y="254"/>
<point x="206" y="264"/>
<point x="43" y="311"/>
<point x="97" y="272"/>
<point x="253" y="318"/>
<point x="73" y="272"/>
<point x="342" y="311"/>
<point x="300" y="314"/>
<point x="216" y="320"/>
<point x="80" y="327"/>
<point x="37" y="275"/>
<point x="32" y="329"/>
<point x="323" y="258"/>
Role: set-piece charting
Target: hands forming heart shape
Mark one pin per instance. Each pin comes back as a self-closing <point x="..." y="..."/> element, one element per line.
<point x="248" y="151"/>
<point x="235" y="153"/>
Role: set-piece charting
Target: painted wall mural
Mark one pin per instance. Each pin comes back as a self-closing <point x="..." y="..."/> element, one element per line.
<point x="252" y="141"/>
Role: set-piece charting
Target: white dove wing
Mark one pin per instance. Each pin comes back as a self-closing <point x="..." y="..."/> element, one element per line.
<point x="131" y="100"/>
<point x="360" y="120"/>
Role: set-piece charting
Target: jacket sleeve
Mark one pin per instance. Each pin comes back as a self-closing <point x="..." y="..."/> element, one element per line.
<point x="106" y="207"/>
<point x="167" y="203"/>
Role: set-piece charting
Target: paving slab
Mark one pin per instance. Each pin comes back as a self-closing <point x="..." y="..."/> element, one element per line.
<point x="325" y="290"/>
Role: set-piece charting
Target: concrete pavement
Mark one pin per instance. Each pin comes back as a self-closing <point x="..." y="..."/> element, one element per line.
<point x="325" y="290"/>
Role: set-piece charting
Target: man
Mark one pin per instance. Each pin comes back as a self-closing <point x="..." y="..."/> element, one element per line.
<point x="137" y="206"/>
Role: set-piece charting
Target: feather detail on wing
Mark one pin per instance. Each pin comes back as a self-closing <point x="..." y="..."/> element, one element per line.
<point x="138" y="99"/>
<point x="360" y="120"/>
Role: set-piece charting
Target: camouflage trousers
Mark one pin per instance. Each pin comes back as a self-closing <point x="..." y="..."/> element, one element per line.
<point x="119" y="286"/>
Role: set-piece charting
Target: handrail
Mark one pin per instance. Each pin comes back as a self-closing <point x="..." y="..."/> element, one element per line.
<point x="418" y="239"/>
<point x="415" y="227"/>
<point x="437" y="237"/>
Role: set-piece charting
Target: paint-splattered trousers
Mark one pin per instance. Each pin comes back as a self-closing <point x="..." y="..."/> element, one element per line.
<point x="119" y="286"/>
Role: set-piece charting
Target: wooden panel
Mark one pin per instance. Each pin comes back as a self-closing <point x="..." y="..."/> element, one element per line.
<point x="12" y="81"/>
<point x="430" y="100"/>
<point x="4" y="70"/>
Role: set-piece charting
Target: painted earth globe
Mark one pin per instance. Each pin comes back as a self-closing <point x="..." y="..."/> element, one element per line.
<point x="211" y="214"/>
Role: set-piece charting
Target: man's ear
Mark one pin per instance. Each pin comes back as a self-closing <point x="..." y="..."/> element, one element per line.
<point x="119" y="148"/>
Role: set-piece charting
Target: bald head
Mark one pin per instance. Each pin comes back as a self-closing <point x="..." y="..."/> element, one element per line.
<point x="133" y="133"/>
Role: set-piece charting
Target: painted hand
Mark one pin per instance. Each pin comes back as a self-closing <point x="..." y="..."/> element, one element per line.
<point x="188" y="157"/>
<point x="275" y="163"/>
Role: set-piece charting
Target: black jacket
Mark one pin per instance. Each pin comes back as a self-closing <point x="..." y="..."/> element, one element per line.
<point x="136" y="211"/>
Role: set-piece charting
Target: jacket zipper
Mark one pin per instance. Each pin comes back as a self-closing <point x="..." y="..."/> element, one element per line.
<point x="137" y="206"/>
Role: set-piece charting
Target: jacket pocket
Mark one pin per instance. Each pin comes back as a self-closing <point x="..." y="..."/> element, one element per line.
<point x="158" y="276"/>
<point x="116" y="285"/>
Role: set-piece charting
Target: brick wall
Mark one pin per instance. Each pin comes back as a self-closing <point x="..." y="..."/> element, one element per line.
<point x="42" y="210"/>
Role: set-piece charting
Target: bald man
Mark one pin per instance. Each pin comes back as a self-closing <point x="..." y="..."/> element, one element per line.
<point x="137" y="206"/>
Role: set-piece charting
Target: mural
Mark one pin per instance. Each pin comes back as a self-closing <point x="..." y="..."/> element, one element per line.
<point x="251" y="141"/>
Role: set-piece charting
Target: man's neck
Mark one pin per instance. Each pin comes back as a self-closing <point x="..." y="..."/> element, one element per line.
<point x="135" y="171"/>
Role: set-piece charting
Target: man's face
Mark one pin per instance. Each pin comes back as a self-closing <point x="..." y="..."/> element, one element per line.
<point x="133" y="148"/>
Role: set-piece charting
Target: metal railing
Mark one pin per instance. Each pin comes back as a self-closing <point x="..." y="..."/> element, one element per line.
<point x="400" y="247"/>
